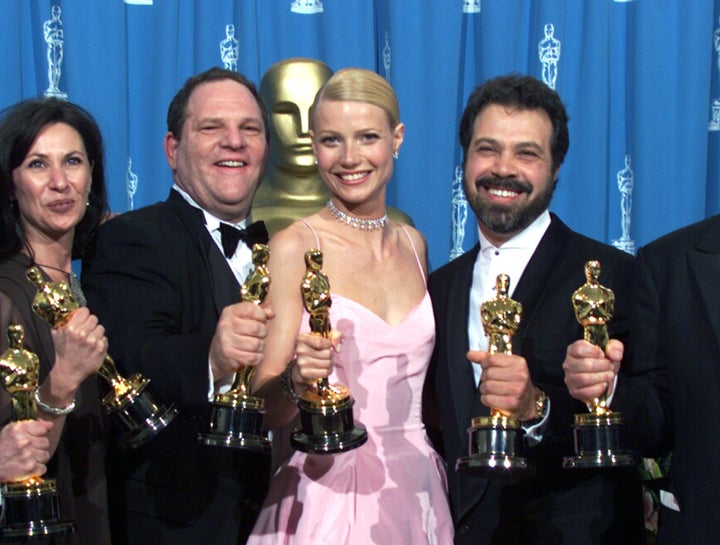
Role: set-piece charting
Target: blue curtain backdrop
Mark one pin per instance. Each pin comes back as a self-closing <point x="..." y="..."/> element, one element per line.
<point x="640" y="78"/>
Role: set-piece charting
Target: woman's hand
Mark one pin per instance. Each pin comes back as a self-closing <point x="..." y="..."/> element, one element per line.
<point x="313" y="358"/>
<point x="24" y="450"/>
<point x="80" y="347"/>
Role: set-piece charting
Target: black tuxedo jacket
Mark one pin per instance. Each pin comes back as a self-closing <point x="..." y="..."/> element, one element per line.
<point x="556" y="506"/>
<point x="678" y="334"/>
<point x="158" y="283"/>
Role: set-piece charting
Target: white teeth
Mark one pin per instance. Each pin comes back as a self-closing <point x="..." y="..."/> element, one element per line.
<point x="352" y="177"/>
<point x="232" y="163"/>
<point x="502" y="192"/>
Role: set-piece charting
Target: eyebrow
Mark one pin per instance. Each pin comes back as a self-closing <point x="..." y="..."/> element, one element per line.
<point x="43" y="155"/>
<point x="529" y="144"/>
<point x="222" y="120"/>
<point x="519" y="145"/>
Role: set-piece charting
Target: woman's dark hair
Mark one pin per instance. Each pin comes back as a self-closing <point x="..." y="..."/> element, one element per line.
<point x="19" y="126"/>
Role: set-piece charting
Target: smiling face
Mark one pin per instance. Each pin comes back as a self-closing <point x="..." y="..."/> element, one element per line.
<point x="508" y="176"/>
<point x="52" y="184"/>
<point x="354" y="144"/>
<point x="220" y="157"/>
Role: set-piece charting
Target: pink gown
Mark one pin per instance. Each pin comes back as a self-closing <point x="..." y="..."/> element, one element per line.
<point x="392" y="489"/>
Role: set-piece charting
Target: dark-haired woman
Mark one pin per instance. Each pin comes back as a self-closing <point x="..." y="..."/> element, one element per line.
<point x="52" y="197"/>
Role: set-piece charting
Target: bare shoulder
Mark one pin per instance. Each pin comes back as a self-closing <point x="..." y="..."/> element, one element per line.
<point x="287" y="250"/>
<point x="417" y="238"/>
<point x="296" y="238"/>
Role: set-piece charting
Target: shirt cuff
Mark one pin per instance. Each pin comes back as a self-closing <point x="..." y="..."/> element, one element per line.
<point x="536" y="428"/>
<point x="218" y="387"/>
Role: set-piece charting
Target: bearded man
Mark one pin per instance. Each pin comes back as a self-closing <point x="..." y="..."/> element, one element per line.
<point x="514" y="137"/>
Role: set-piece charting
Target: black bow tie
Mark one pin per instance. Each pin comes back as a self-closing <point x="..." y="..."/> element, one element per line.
<point x="255" y="233"/>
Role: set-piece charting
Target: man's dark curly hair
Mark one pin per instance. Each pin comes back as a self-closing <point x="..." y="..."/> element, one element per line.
<point x="523" y="93"/>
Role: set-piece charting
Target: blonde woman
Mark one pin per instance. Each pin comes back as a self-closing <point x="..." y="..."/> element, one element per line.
<point x="391" y="489"/>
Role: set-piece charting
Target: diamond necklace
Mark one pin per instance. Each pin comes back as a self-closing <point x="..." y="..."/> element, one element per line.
<point x="357" y="223"/>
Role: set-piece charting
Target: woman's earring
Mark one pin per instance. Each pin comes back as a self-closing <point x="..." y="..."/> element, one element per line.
<point x="395" y="154"/>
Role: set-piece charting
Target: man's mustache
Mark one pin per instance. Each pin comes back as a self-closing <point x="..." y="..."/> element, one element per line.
<point x="509" y="183"/>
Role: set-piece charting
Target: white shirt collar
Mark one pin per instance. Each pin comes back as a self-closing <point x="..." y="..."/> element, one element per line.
<point x="212" y="222"/>
<point x="527" y="239"/>
<point x="241" y="261"/>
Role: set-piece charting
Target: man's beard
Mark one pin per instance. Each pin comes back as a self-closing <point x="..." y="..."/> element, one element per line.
<point x="513" y="218"/>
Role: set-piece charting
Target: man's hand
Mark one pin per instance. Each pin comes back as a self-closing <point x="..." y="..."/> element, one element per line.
<point x="590" y="373"/>
<point x="239" y="339"/>
<point x="505" y="384"/>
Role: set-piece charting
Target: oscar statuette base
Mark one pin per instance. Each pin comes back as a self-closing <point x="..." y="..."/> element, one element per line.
<point x="32" y="511"/>
<point x="327" y="428"/>
<point x="599" y="443"/>
<point x="495" y="443"/>
<point x="237" y="422"/>
<point x="138" y="413"/>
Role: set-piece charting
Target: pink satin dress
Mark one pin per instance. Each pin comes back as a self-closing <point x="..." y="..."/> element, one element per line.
<point x="392" y="489"/>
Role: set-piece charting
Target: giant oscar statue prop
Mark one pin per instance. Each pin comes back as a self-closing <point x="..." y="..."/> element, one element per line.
<point x="237" y="417"/>
<point x="128" y="400"/>
<point x="495" y="441"/>
<point x="600" y="434"/>
<point x="326" y="418"/>
<point x="32" y="506"/>
<point x="292" y="188"/>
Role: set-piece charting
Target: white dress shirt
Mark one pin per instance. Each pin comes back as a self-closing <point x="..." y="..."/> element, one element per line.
<point x="241" y="261"/>
<point x="510" y="258"/>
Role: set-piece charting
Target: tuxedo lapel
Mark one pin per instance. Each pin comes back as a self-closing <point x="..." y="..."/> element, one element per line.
<point x="223" y="284"/>
<point x="462" y="379"/>
<point x="537" y="276"/>
<point x="704" y="262"/>
<point x="464" y="395"/>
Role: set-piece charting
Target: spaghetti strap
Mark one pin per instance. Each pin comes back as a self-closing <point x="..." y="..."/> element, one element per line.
<point x="417" y="258"/>
<point x="407" y="234"/>
<point x="317" y="238"/>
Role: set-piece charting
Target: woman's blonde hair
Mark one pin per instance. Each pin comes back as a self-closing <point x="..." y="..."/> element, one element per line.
<point x="359" y="85"/>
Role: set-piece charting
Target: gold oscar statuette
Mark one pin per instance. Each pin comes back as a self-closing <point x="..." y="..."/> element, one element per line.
<point x="32" y="506"/>
<point x="237" y="417"/>
<point x="128" y="400"/>
<point x="600" y="434"/>
<point x="326" y="418"/>
<point x="495" y="441"/>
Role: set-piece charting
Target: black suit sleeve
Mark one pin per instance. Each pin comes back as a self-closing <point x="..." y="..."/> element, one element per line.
<point x="642" y="394"/>
<point x="140" y="282"/>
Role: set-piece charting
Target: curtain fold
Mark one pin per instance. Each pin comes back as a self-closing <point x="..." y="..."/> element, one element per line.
<point x="641" y="80"/>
